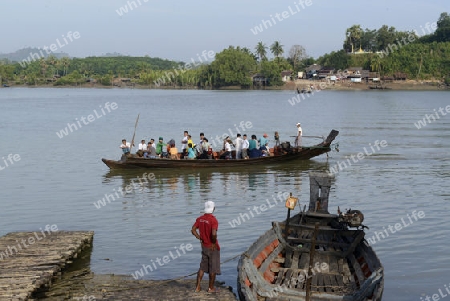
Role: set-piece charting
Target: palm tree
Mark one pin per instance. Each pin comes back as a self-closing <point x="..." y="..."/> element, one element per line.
<point x="44" y="67"/>
<point x="375" y="63"/>
<point x="354" y="34"/>
<point x="277" y="49"/>
<point x="261" y="51"/>
<point x="52" y="61"/>
<point x="65" y="61"/>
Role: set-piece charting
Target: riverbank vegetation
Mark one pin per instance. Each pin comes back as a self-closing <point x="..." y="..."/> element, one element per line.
<point x="422" y="54"/>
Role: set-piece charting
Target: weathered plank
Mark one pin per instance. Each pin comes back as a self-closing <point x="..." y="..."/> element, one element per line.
<point x="358" y="272"/>
<point x="29" y="261"/>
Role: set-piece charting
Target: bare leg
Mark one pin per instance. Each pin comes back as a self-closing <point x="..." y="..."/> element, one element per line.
<point x="212" y="279"/>
<point x="199" y="279"/>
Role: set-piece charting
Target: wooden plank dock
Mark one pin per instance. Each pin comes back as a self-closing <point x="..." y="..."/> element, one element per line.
<point x="36" y="266"/>
<point x="30" y="261"/>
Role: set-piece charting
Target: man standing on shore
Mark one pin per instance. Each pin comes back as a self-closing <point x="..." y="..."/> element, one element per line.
<point x="208" y="225"/>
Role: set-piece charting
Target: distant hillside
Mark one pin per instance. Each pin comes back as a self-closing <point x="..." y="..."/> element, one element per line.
<point x="114" y="54"/>
<point x="24" y="53"/>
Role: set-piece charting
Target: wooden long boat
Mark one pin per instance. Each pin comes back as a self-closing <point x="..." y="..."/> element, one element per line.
<point x="280" y="154"/>
<point x="312" y="256"/>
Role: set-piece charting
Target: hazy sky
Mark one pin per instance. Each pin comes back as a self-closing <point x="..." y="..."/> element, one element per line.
<point x="180" y="29"/>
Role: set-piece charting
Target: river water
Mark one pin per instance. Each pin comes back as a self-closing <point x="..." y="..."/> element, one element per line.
<point x="53" y="178"/>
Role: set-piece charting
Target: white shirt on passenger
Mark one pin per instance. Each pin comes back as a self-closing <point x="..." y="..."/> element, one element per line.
<point x="227" y="147"/>
<point x="184" y="145"/>
<point x="142" y="146"/>
<point x="245" y="143"/>
<point x="125" y="146"/>
<point x="238" y="143"/>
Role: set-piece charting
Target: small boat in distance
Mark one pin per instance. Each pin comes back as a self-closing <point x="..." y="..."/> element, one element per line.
<point x="379" y="87"/>
<point x="304" y="90"/>
<point x="312" y="256"/>
<point x="284" y="152"/>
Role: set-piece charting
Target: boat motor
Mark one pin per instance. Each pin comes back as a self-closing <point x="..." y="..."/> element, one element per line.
<point x="352" y="218"/>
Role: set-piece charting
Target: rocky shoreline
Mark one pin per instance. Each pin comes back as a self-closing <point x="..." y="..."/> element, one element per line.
<point x="85" y="285"/>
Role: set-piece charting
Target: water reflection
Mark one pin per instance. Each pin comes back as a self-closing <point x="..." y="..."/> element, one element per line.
<point x="141" y="188"/>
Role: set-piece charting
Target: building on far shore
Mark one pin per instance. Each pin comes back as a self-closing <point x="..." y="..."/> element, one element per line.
<point x="286" y="75"/>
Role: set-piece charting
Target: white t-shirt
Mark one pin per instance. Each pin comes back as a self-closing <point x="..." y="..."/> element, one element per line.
<point x="300" y="131"/>
<point x="245" y="143"/>
<point x="142" y="146"/>
<point x="227" y="147"/>
<point x="184" y="145"/>
<point x="239" y="143"/>
<point x="125" y="146"/>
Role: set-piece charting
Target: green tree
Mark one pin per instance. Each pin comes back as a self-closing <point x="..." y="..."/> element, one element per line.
<point x="336" y="59"/>
<point x="385" y="36"/>
<point x="442" y="33"/>
<point x="368" y="40"/>
<point x="65" y="62"/>
<point x="261" y="51"/>
<point x="376" y="63"/>
<point x="353" y="35"/>
<point x="277" y="50"/>
<point x="233" y="66"/>
<point x="272" y="71"/>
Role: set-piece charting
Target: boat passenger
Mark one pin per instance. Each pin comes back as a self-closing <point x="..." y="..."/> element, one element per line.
<point x="276" y="136"/>
<point x="150" y="152"/>
<point x="253" y="150"/>
<point x="142" y="148"/>
<point x="298" y="139"/>
<point x="263" y="142"/>
<point x="161" y="148"/>
<point x="202" y="136"/>
<point x="245" y="145"/>
<point x="227" y="149"/>
<point x="191" y="152"/>
<point x="199" y="145"/>
<point x="173" y="150"/>
<point x="190" y="141"/>
<point x="238" y="144"/>
<point x="152" y="141"/>
<point x="184" y="143"/>
<point x="125" y="146"/>
<point x="205" y="150"/>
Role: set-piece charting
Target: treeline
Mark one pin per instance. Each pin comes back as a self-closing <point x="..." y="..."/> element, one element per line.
<point x="233" y="66"/>
<point x="423" y="53"/>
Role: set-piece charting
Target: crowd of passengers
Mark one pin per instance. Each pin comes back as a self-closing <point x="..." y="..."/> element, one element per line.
<point x="243" y="147"/>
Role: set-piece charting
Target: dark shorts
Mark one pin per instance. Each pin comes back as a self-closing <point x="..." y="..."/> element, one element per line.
<point x="210" y="261"/>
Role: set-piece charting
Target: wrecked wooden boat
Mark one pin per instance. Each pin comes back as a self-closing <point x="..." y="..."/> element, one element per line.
<point x="312" y="256"/>
<point x="283" y="153"/>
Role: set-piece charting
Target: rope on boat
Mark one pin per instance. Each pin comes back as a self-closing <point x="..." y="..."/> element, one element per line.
<point x="170" y="280"/>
